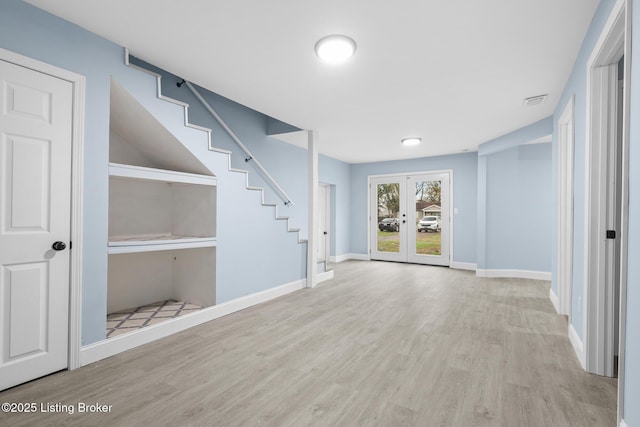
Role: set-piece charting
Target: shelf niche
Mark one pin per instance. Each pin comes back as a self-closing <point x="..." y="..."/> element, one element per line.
<point x="162" y="214"/>
<point x="137" y="279"/>
<point x="155" y="207"/>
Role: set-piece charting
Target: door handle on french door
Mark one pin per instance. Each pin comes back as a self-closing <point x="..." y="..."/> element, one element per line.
<point x="59" y="246"/>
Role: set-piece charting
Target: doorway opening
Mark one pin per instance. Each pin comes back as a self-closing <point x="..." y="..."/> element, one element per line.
<point x="324" y="227"/>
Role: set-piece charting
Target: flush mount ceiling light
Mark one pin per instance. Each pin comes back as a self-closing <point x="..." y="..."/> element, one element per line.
<point x="335" y="49"/>
<point x="411" y="141"/>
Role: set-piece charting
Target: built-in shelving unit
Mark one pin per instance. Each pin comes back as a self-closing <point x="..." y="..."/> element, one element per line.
<point x="155" y="210"/>
<point x="162" y="215"/>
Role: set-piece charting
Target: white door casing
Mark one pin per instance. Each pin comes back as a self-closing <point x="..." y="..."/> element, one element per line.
<point x="36" y="130"/>
<point x="565" y="208"/>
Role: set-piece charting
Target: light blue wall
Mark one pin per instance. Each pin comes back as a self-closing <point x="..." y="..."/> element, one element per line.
<point x="505" y="175"/>
<point x="464" y="168"/>
<point x="632" y="356"/>
<point x="518" y="205"/>
<point x="338" y="175"/>
<point x="520" y="136"/>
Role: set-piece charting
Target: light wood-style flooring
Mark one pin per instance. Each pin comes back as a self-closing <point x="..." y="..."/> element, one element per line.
<point x="382" y="344"/>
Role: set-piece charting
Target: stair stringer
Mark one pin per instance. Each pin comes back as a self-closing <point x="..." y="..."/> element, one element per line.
<point x="193" y="136"/>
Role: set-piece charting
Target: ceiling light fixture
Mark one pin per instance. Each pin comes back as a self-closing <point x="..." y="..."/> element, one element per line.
<point x="411" y="141"/>
<point x="335" y="49"/>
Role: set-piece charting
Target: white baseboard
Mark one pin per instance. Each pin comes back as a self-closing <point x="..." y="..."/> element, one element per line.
<point x="577" y="345"/>
<point x="516" y="274"/>
<point x="345" y="257"/>
<point x="623" y="424"/>
<point x="554" y="300"/>
<point x="463" y="265"/>
<point x="324" y="276"/>
<point x="109" y="347"/>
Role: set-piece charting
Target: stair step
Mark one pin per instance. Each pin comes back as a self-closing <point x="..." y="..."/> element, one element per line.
<point x="202" y="128"/>
<point x="238" y="170"/>
<point x="220" y="150"/>
<point x="173" y="100"/>
<point x="209" y="131"/>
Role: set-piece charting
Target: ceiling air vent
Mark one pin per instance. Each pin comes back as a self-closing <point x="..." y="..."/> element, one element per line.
<point x="535" y="100"/>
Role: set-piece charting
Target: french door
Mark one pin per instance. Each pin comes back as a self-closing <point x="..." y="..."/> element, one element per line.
<point x="409" y="219"/>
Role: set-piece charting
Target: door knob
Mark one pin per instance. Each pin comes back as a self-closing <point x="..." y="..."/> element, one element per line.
<point x="58" y="246"/>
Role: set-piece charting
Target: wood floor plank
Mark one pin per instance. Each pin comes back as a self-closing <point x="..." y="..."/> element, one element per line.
<point x="381" y="344"/>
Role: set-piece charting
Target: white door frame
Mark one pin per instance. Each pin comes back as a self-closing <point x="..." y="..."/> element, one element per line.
<point x="602" y="88"/>
<point x="404" y="174"/>
<point x="327" y="217"/>
<point x="565" y="208"/>
<point x="77" y="148"/>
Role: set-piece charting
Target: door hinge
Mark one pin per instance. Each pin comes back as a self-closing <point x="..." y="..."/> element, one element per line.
<point x="611" y="234"/>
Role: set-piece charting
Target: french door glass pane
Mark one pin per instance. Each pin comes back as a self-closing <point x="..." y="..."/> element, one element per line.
<point x="428" y="217"/>
<point x="388" y="224"/>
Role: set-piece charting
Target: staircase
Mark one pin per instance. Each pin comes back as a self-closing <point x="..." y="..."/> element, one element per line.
<point x="255" y="253"/>
<point x="224" y="153"/>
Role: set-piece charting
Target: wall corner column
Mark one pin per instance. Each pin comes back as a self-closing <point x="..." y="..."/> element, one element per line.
<point x="312" y="245"/>
<point x="481" y="249"/>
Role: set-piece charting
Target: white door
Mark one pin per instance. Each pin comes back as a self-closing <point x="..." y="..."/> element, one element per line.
<point x="35" y="187"/>
<point x="428" y="216"/>
<point x="323" y="222"/>
<point x="410" y="218"/>
<point x="388" y="218"/>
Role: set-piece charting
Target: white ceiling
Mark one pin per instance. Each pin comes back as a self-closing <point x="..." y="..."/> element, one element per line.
<point x="454" y="72"/>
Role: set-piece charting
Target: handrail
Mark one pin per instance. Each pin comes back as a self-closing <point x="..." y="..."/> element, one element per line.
<point x="270" y="180"/>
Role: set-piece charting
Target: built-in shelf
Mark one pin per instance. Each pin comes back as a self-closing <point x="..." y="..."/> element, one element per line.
<point x="132" y="244"/>
<point x="152" y="174"/>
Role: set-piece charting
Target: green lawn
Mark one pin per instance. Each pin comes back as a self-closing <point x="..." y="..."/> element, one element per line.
<point x="426" y="243"/>
<point x="388" y="241"/>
